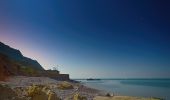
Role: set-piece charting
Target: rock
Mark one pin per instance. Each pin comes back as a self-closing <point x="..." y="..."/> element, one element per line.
<point x="39" y="92"/>
<point x="53" y="96"/>
<point x="77" y="96"/>
<point x="20" y="91"/>
<point x="108" y="95"/>
<point x="36" y="93"/>
<point x="65" y="85"/>
<point x="6" y="93"/>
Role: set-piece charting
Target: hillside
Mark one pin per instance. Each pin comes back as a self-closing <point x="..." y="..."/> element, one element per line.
<point x="13" y="63"/>
<point x="6" y="67"/>
<point x="16" y="56"/>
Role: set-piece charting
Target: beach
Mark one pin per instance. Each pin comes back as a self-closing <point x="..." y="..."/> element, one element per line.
<point x="21" y="84"/>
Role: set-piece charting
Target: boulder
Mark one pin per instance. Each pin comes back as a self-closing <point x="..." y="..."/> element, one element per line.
<point x="65" y="85"/>
<point x="6" y="93"/>
<point x="77" y="96"/>
<point x="39" y="92"/>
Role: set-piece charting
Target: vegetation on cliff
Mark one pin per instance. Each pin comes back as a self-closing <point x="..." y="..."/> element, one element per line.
<point x="13" y="63"/>
<point x="7" y="68"/>
<point x="16" y="56"/>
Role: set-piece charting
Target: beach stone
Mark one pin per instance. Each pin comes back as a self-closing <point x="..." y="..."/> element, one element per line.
<point x="53" y="96"/>
<point x="77" y="96"/>
<point x="39" y="92"/>
<point x="65" y="85"/>
<point x="36" y="93"/>
<point x="6" y="93"/>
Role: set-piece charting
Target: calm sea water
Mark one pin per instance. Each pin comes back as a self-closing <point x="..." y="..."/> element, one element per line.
<point x="134" y="87"/>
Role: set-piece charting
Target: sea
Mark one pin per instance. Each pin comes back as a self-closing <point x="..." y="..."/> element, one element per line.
<point x="159" y="88"/>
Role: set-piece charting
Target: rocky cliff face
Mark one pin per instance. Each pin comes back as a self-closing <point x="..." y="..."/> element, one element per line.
<point x="16" y="56"/>
<point x="7" y="68"/>
<point x="13" y="63"/>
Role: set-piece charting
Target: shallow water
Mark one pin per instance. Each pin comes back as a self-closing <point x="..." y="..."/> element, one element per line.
<point x="134" y="87"/>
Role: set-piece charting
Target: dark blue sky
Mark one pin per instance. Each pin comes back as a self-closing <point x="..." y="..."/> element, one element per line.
<point x="91" y="38"/>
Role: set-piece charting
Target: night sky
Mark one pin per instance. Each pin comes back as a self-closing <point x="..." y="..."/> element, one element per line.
<point x="91" y="38"/>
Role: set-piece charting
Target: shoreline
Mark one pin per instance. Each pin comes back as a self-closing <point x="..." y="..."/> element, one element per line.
<point x="23" y="82"/>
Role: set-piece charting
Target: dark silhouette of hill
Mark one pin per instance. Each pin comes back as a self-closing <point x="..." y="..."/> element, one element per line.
<point x="17" y="57"/>
<point x="13" y="63"/>
<point x="4" y="70"/>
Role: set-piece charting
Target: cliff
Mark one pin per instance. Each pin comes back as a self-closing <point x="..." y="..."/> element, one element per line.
<point x="16" y="56"/>
<point x="13" y="63"/>
<point x="6" y="67"/>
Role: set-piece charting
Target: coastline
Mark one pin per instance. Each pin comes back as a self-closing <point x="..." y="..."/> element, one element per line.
<point x="22" y="83"/>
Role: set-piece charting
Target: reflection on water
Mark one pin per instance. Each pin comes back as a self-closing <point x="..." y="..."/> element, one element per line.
<point x="143" y="88"/>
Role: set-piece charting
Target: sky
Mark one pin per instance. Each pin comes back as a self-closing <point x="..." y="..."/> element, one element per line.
<point x="91" y="38"/>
